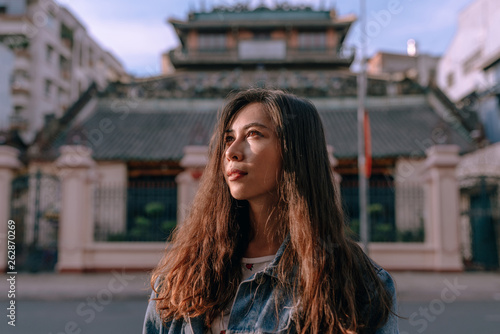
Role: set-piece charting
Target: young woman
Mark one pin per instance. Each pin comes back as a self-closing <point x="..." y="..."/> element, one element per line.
<point x="264" y="249"/>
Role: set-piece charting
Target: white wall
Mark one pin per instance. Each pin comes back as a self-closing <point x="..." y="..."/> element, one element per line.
<point x="475" y="41"/>
<point x="7" y="61"/>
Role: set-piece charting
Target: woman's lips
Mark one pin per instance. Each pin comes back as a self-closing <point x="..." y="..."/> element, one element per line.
<point x="235" y="174"/>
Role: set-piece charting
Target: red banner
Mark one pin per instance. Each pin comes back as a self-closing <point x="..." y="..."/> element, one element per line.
<point x="368" y="145"/>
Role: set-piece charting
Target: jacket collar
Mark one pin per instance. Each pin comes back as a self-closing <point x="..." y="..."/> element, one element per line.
<point x="272" y="269"/>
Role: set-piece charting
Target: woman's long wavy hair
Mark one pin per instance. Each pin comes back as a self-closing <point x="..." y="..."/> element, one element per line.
<point x="335" y="284"/>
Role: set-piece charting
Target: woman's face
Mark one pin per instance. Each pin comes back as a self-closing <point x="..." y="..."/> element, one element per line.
<point x="252" y="159"/>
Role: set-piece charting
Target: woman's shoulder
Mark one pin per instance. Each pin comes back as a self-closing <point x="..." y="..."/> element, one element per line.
<point x="152" y="321"/>
<point x="391" y="324"/>
<point x="385" y="278"/>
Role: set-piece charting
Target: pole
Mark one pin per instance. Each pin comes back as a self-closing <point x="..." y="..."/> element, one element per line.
<point x="362" y="89"/>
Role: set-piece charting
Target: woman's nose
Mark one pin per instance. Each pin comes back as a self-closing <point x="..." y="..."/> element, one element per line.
<point x="234" y="152"/>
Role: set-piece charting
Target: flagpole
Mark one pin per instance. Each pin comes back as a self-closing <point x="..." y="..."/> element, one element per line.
<point x="364" y="229"/>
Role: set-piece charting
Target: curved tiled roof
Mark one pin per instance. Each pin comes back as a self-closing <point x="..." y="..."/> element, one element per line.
<point x="159" y="134"/>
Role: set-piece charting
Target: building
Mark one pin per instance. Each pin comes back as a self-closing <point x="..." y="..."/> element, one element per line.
<point x="420" y="67"/>
<point x="55" y="61"/>
<point x="469" y="70"/>
<point x="291" y="37"/>
<point x="126" y="151"/>
<point x="7" y="61"/>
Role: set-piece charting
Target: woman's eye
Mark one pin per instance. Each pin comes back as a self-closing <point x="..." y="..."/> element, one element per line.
<point x="253" y="133"/>
<point x="228" y="139"/>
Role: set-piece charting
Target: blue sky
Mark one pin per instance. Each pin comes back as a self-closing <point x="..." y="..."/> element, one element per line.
<point x="137" y="32"/>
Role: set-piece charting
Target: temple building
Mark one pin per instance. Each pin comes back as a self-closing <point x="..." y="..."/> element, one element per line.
<point x="140" y="133"/>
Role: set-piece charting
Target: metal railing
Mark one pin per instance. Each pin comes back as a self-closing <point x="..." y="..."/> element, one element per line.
<point x="396" y="210"/>
<point x="144" y="211"/>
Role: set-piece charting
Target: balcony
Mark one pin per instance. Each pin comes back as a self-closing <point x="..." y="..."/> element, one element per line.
<point x="18" y="123"/>
<point x="21" y="85"/>
<point x="20" y="99"/>
<point x="13" y="25"/>
<point x="253" y="52"/>
<point x="22" y="61"/>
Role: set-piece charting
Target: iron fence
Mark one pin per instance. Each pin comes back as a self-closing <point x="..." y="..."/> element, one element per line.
<point x="145" y="210"/>
<point x="480" y="220"/>
<point x="395" y="209"/>
<point x="34" y="206"/>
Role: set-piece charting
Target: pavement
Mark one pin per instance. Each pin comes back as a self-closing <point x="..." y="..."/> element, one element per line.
<point x="410" y="286"/>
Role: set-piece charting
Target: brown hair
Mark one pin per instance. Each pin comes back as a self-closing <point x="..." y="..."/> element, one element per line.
<point x="335" y="282"/>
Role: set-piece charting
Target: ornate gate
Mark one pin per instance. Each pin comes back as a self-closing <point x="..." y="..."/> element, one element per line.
<point x="35" y="209"/>
<point x="481" y="210"/>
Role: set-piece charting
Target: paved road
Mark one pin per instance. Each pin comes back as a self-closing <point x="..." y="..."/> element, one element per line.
<point x="115" y="302"/>
<point x="467" y="317"/>
<point x="126" y="316"/>
<point x="76" y="317"/>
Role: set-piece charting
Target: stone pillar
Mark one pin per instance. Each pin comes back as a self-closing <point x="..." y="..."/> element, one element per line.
<point x="442" y="207"/>
<point x="8" y="164"/>
<point x="194" y="161"/>
<point x="76" y="224"/>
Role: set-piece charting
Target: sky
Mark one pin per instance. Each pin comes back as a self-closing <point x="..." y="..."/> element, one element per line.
<point x="137" y="32"/>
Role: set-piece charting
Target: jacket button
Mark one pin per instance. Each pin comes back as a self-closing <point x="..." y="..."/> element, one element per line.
<point x="259" y="279"/>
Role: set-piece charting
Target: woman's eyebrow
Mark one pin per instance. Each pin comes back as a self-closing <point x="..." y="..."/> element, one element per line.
<point x="249" y="125"/>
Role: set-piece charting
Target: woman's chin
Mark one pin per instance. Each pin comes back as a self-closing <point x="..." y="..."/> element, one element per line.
<point x="239" y="197"/>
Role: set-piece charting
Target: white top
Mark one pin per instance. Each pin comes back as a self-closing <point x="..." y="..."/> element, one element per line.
<point x="249" y="266"/>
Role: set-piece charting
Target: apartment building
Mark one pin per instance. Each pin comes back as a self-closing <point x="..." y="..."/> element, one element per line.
<point x="469" y="71"/>
<point x="55" y="60"/>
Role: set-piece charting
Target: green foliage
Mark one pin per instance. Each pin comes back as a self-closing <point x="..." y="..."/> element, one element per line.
<point x="168" y="225"/>
<point x="384" y="231"/>
<point x="142" y="222"/>
<point x="417" y="235"/>
<point x="147" y="226"/>
<point x="375" y="208"/>
<point x="154" y="209"/>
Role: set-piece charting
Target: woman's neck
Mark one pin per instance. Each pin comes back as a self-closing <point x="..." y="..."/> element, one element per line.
<point x="263" y="221"/>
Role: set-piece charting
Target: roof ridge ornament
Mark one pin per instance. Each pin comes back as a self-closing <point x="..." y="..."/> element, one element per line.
<point x="244" y="6"/>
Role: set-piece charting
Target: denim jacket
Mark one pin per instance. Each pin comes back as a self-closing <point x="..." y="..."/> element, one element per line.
<point x="254" y="308"/>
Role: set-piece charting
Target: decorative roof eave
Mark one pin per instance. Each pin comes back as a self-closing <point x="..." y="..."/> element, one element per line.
<point x="199" y="63"/>
<point x="339" y="24"/>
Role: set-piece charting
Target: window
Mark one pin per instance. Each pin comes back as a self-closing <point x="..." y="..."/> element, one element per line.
<point x="212" y="41"/>
<point x="63" y="99"/>
<point x="91" y="57"/>
<point x="312" y="40"/>
<point x="64" y="68"/>
<point x="496" y="73"/>
<point x="262" y="35"/>
<point x="48" y="88"/>
<point x="18" y="110"/>
<point x="19" y="79"/>
<point x="51" y="21"/>
<point x="67" y="36"/>
<point x="450" y="79"/>
<point x="50" y="52"/>
<point x="81" y="54"/>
